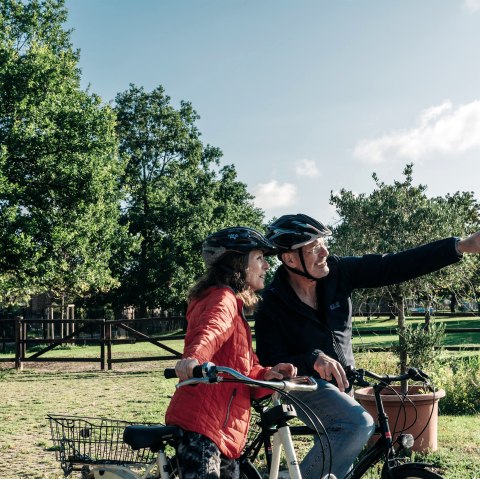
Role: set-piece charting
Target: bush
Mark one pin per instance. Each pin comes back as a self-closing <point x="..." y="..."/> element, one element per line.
<point x="423" y="344"/>
<point x="460" y="377"/>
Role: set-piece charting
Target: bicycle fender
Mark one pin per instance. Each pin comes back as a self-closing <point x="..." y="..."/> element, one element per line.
<point x="112" y="472"/>
<point x="416" y="465"/>
<point x="411" y="466"/>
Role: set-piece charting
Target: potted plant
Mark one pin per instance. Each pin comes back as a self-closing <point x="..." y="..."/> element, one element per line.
<point x="413" y="410"/>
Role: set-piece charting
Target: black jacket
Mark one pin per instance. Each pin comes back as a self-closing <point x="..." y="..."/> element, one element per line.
<point x="287" y="330"/>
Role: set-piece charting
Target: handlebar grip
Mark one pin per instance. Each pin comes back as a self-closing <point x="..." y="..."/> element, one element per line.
<point x="169" y="373"/>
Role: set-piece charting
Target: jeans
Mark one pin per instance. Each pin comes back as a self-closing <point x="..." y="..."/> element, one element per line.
<point x="348" y="426"/>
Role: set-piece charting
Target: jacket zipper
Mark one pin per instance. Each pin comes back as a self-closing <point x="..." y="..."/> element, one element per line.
<point x="234" y="393"/>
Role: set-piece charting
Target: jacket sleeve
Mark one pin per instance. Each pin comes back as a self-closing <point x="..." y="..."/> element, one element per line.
<point x="258" y="372"/>
<point x="376" y="270"/>
<point x="211" y="326"/>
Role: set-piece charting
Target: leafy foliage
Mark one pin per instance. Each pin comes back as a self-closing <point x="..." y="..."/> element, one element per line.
<point x="176" y="194"/>
<point x="460" y="377"/>
<point x="423" y="344"/>
<point x="401" y="216"/>
<point x="59" y="194"/>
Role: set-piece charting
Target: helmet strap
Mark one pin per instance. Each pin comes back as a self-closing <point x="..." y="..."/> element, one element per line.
<point x="303" y="273"/>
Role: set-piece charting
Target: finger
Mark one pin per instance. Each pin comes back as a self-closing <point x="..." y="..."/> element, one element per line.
<point x="272" y="374"/>
<point x="338" y="379"/>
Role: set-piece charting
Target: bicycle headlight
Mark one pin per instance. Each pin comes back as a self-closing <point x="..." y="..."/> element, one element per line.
<point x="406" y="440"/>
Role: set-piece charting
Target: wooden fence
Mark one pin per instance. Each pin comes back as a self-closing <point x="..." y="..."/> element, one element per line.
<point x="42" y="336"/>
<point x="45" y="335"/>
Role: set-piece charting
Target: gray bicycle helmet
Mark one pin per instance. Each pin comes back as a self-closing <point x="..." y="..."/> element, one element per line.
<point x="294" y="231"/>
<point x="237" y="239"/>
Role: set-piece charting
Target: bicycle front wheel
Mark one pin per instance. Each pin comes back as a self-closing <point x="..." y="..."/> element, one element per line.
<point x="410" y="471"/>
<point x="248" y="471"/>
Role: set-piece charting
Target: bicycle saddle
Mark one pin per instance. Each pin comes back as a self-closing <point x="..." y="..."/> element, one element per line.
<point x="138" y="436"/>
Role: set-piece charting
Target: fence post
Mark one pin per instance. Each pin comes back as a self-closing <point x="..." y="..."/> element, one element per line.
<point x="24" y="340"/>
<point x="18" y="343"/>
<point x="102" y="344"/>
<point x="4" y="339"/>
<point x="109" y="345"/>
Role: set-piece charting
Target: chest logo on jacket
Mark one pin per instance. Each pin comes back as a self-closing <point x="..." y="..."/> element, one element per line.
<point x="335" y="306"/>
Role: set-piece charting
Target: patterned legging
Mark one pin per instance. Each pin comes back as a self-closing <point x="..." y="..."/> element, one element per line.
<point x="200" y="458"/>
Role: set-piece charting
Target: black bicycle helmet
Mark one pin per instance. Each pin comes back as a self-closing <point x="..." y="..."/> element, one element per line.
<point x="294" y="231"/>
<point x="237" y="239"/>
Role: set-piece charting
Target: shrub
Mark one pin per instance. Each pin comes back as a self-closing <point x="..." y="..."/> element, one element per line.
<point x="422" y="344"/>
<point x="460" y="377"/>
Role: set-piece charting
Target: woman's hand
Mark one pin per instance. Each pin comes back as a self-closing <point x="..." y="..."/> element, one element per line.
<point x="281" y="371"/>
<point x="184" y="368"/>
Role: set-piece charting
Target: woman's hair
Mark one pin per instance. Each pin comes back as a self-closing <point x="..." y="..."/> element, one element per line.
<point x="230" y="271"/>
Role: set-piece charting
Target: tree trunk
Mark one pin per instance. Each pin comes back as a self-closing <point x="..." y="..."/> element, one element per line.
<point x="400" y="302"/>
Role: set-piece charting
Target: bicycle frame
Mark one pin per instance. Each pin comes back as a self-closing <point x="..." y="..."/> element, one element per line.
<point x="281" y="437"/>
<point x="383" y="447"/>
<point x="382" y="450"/>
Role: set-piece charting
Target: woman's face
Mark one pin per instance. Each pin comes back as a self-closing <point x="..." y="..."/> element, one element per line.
<point x="256" y="270"/>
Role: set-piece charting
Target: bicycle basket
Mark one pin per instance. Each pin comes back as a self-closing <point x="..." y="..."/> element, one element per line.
<point x="92" y="440"/>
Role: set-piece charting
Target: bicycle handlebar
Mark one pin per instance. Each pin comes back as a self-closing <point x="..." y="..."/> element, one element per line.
<point x="358" y="376"/>
<point x="209" y="373"/>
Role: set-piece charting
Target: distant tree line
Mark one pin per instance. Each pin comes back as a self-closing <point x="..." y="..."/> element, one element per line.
<point x="108" y="204"/>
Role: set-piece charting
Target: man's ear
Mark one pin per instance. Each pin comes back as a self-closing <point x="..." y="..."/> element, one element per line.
<point x="288" y="257"/>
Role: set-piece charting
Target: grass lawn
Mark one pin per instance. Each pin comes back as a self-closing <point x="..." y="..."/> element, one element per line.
<point x="138" y="392"/>
<point x="389" y="326"/>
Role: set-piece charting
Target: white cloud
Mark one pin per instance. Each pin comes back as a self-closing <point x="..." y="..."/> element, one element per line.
<point x="307" y="168"/>
<point x="472" y="5"/>
<point x="439" y="129"/>
<point x="274" y="195"/>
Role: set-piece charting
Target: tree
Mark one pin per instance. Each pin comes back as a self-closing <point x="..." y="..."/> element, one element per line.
<point x="59" y="168"/>
<point x="176" y="195"/>
<point x="401" y="216"/>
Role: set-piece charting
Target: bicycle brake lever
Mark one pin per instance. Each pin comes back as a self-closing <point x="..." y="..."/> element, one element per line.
<point x="356" y="376"/>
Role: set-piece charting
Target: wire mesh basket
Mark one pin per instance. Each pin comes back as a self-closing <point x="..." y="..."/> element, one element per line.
<point x="92" y="440"/>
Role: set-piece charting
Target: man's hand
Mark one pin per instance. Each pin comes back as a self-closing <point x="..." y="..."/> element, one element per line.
<point x="471" y="244"/>
<point x="184" y="368"/>
<point x="330" y="369"/>
<point x="281" y="371"/>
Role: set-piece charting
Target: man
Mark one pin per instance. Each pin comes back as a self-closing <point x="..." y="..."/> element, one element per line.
<point x="305" y="318"/>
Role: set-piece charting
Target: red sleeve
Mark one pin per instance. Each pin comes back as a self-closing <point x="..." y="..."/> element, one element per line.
<point x="210" y="324"/>
<point x="258" y="372"/>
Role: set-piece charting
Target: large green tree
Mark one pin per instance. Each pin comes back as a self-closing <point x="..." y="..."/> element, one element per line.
<point x="59" y="168"/>
<point x="176" y="194"/>
<point x="400" y="216"/>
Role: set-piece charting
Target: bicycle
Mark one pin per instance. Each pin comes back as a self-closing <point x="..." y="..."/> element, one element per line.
<point x="274" y="434"/>
<point x="395" y="464"/>
<point x="103" y="448"/>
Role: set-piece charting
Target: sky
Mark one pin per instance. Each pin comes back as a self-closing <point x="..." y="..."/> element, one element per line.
<point x="304" y="97"/>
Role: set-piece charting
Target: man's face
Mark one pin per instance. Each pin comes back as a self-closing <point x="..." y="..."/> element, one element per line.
<point x="315" y="257"/>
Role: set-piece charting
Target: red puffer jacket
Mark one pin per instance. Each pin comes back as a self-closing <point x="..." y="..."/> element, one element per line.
<point x="217" y="331"/>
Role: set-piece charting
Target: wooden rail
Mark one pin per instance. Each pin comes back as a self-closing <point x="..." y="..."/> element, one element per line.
<point x="101" y="333"/>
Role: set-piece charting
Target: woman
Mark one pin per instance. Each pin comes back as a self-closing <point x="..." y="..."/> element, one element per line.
<point x="216" y="418"/>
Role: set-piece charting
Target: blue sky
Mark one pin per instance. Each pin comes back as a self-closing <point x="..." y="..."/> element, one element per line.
<point x="304" y="97"/>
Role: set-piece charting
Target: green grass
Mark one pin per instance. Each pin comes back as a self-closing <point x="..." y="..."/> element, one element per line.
<point x="389" y="326"/>
<point x="28" y="396"/>
<point x="138" y="392"/>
